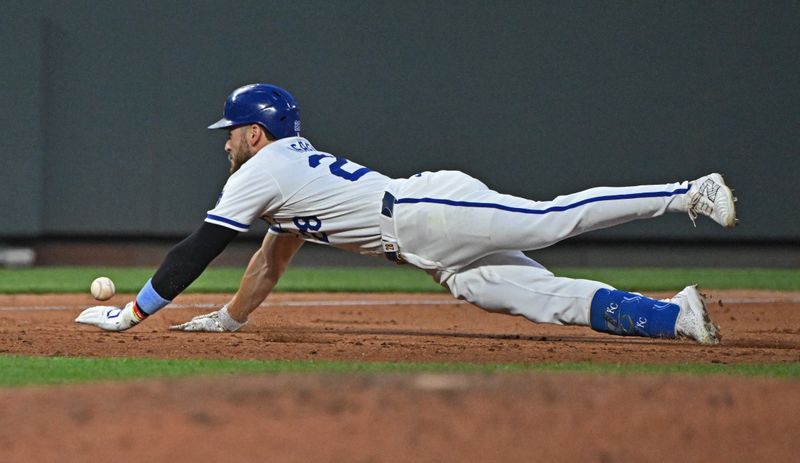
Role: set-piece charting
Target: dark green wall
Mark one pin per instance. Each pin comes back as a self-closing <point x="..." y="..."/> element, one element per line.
<point x="22" y="144"/>
<point x="105" y="103"/>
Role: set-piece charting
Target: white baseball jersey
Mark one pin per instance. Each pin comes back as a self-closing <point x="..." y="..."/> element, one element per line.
<point x="297" y="189"/>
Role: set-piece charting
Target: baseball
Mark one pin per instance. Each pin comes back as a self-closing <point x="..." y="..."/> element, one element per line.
<point x="103" y="288"/>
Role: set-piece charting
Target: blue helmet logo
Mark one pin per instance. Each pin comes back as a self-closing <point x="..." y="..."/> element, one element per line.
<point x="270" y="106"/>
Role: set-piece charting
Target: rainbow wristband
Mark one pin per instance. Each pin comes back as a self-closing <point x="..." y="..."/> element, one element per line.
<point x="148" y="300"/>
<point x="138" y="314"/>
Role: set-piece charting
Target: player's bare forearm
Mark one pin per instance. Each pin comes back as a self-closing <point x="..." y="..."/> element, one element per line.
<point x="262" y="273"/>
<point x="255" y="286"/>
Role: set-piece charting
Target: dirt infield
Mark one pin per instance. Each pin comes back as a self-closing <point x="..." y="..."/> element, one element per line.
<point x="756" y="327"/>
<point x="520" y="417"/>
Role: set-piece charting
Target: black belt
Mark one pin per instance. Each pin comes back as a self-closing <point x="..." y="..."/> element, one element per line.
<point x="387" y="209"/>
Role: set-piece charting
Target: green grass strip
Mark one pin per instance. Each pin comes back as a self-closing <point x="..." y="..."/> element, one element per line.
<point x="389" y="279"/>
<point x="22" y="370"/>
<point x="218" y="279"/>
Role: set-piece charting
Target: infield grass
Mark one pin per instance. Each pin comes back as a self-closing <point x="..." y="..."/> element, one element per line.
<point x="389" y="279"/>
<point x="25" y="371"/>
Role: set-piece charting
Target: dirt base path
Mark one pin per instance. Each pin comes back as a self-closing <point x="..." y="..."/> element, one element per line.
<point x="756" y="327"/>
<point x="375" y="418"/>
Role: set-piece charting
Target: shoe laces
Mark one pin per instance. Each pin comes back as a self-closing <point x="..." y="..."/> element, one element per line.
<point x="697" y="207"/>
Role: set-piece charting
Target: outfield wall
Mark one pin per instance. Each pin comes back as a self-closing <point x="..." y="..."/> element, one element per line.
<point x="105" y="104"/>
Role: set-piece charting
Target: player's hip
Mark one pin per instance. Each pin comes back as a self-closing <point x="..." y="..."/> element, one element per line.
<point x="423" y="221"/>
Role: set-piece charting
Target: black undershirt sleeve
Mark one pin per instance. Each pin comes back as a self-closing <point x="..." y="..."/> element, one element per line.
<point x="189" y="258"/>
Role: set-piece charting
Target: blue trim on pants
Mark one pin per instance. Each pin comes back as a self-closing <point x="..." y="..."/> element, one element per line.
<point x="522" y="210"/>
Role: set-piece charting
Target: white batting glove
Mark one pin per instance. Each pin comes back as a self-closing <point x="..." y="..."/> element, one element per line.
<point x="218" y="321"/>
<point x="109" y="318"/>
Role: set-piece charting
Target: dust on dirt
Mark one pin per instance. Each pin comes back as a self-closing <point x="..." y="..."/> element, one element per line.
<point x="422" y="417"/>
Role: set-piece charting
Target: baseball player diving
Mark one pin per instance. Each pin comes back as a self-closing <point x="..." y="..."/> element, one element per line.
<point x="468" y="237"/>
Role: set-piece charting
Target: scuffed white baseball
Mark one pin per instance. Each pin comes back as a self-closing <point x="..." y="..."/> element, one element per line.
<point x="103" y="288"/>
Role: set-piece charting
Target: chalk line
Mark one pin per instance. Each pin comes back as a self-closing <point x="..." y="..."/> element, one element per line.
<point x="336" y="303"/>
<point x="367" y="302"/>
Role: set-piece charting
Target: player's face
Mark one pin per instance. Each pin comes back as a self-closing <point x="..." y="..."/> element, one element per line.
<point x="239" y="151"/>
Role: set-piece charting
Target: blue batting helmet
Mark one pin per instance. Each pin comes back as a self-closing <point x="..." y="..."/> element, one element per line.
<point x="269" y="106"/>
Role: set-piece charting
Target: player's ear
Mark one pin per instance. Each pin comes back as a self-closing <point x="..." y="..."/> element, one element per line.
<point x="254" y="134"/>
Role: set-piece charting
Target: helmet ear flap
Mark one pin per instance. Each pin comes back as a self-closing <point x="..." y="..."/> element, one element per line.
<point x="267" y="105"/>
<point x="267" y="133"/>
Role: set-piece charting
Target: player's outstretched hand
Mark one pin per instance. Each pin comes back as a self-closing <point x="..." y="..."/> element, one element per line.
<point x="217" y="321"/>
<point x="108" y="317"/>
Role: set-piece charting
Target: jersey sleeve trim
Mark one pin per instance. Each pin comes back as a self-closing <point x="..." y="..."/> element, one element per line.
<point x="228" y="223"/>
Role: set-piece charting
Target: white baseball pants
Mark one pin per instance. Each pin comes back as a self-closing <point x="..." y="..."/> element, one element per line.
<point x="470" y="237"/>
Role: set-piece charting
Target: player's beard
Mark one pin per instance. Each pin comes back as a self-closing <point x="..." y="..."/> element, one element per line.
<point x="235" y="163"/>
<point x="238" y="158"/>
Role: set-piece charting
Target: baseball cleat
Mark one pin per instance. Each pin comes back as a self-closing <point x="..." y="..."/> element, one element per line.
<point x="693" y="319"/>
<point x="711" y="197"/>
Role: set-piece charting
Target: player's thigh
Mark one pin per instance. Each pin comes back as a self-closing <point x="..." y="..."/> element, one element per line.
<point x="487" y="281"/>
<point x="512" y="283"/>
<point x="438" y="222"/>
